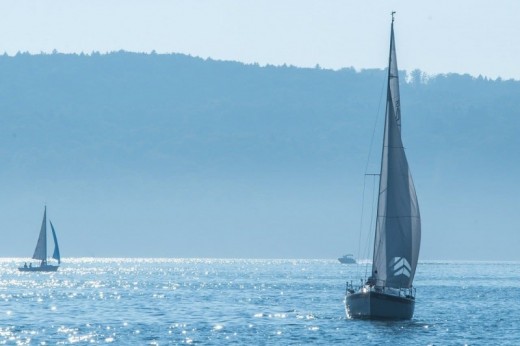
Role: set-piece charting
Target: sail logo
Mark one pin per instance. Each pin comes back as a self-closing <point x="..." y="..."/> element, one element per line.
<point x="400" y="266"/>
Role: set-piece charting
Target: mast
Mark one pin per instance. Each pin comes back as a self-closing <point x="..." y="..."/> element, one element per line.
<point x="388" y="97"/>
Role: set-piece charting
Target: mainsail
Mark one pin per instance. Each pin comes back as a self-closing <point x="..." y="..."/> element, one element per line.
<point x="40" y="252"/>
<point x="398" y="226"/>
<point x="56" y="253"/>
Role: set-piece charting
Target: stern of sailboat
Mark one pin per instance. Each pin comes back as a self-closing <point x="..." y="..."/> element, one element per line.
<point x="379" y="303"/>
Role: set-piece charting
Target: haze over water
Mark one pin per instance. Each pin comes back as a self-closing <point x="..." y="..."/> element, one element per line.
<point x="218" y="301"/>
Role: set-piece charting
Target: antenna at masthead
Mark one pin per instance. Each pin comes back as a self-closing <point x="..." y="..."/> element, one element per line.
<point x="393" y="12"/>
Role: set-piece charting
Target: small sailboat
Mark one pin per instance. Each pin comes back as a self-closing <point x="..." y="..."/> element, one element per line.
<point x="40" y="252"/>
<point x="388" y="293"/>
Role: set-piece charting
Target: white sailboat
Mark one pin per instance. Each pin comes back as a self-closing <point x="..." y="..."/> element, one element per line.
<point x="40" y="252"/>
<point x="388" y="293"/>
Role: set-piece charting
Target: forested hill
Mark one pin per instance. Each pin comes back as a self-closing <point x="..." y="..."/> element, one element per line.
<point x="165" y="112"/>
<point x="123" y="118"/>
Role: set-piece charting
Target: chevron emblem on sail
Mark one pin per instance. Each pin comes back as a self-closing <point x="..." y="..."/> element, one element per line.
<point x="400" y="266"/>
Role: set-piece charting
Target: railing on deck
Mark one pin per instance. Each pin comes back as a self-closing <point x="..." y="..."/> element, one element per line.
<point x="380" y="287"/>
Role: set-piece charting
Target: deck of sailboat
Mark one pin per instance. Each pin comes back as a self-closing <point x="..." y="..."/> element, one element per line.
<point x="44" y="268"/>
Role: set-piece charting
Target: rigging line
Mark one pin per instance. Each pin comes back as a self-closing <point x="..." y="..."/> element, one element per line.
<point x="371" y="222"/>
<point x="365" y="252"/>
<point x="375" y="125"/>
<point x="361" y="224"/>
<point x="366" y="170"/>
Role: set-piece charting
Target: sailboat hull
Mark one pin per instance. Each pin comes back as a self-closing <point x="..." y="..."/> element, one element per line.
<point x="44" y="268"/>
<point x="379" y="306"/>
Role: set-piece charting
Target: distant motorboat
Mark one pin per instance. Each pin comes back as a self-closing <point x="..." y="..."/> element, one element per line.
<point x="347" y="259"/>
<point x="388" y="293"/>
<point x="40" y="252"/>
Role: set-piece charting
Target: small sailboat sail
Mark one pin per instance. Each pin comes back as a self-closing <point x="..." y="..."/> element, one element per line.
<point x="56" y="253"/>
<point x="388" y="292"/>
<point x="40" y="252"/>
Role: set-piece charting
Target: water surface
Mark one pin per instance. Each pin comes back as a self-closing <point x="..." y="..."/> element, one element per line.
<point x="255" y="302"/>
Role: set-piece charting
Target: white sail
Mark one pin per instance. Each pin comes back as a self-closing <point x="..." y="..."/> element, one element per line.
<point x="398" y="226"/>
<point x="56" y="253"/>
<point x="40" y="252"/>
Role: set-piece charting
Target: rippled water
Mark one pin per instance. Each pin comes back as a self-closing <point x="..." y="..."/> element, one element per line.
<point x="248" y="302"/>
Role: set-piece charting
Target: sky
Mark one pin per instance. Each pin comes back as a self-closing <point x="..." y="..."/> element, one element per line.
<point x="465" y="36"/>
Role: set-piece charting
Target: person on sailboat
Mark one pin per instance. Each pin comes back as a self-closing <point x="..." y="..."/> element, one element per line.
<point x="372" y="281"/>
<point x="25" y="265"/>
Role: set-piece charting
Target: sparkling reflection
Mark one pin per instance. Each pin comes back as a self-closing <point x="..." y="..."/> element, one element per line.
<point x="215" y="301"/>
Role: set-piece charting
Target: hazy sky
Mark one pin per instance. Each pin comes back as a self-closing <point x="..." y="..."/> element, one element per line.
<point x="463" y="36"/>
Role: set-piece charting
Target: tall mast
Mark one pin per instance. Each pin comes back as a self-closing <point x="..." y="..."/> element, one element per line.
<point x="388" y="96"/>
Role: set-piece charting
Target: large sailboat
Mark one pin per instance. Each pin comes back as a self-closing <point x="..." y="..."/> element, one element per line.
<point x="388" y="293"/>
<point x="40" y="252"/>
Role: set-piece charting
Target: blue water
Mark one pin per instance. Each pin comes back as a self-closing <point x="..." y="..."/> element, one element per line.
<point x="248" y="302"/>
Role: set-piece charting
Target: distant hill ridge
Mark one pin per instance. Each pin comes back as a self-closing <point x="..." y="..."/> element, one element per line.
<point x="165" y="112"/>
<point x="174" y="156"/>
